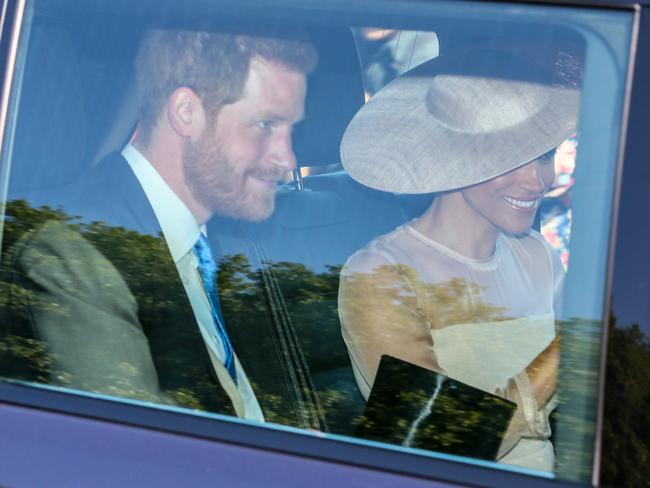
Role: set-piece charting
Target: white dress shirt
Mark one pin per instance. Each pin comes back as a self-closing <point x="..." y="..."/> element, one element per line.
<point x="181" y="232"/>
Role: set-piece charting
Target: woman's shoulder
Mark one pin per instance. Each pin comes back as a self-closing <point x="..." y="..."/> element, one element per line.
<point x="384" y="250"/>
<point x="532" y="242"/>
<point x="534" y="247"/>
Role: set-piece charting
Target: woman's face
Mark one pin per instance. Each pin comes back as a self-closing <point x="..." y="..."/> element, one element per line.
<point x="509" y="202"/>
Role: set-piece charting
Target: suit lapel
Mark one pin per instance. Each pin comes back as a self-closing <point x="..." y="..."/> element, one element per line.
<point x="111" y="194"/>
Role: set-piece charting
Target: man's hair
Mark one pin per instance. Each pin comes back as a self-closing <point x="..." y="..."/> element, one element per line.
<point x="214" y="65"/>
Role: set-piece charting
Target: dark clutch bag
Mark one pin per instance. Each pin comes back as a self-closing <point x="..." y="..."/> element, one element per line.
<point x="416" y="407"/>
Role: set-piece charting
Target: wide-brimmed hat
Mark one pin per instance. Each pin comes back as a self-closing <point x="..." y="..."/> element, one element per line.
<point x="460" y="120"/>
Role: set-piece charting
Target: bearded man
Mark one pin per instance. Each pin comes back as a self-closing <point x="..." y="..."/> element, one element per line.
<point x="141" y="319"/>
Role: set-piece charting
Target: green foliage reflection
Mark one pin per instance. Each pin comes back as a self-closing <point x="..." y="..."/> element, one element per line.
<point x="124" y="284"/>
<point x="626" y="429"/>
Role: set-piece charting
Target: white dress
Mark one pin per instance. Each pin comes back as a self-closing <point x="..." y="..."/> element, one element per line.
<point x="480" y="322"/>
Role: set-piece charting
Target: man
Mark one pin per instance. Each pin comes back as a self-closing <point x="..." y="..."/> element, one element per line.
<point x="123" y="301"/>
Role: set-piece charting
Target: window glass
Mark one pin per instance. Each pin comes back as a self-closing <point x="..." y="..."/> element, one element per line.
<point x="428" y="273"/>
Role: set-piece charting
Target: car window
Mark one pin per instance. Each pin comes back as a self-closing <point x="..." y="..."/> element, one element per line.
<point x="385" y="226"/>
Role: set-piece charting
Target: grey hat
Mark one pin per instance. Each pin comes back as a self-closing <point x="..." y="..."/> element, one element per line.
<point x="460" y="120"/>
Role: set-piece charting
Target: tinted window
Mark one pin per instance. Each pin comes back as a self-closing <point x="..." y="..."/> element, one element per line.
<point x="450" y="230"/>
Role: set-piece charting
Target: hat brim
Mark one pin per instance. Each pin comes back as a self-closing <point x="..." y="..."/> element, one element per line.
<point x="393" y="144"/>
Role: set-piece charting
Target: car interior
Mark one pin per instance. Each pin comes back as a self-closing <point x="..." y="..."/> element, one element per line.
<point x="73" y="101"/>
<point x="79" y="97"/>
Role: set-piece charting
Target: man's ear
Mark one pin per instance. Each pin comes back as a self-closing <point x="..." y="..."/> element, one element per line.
<point x="186" y="114"/>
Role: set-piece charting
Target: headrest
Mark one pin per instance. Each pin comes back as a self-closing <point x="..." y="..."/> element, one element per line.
<point x="50" y="139"/>
<point x="334" y="94"/>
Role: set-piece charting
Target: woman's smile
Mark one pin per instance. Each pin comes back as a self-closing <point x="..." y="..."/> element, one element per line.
<point x="521" y="204"/>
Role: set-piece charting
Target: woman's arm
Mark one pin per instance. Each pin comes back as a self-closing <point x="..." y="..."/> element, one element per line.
<point x="542" y="373"/>
<point x="536" y="386"/>
<point x="380" y="315"/>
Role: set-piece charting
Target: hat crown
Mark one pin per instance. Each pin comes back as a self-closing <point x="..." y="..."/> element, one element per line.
<point x="474" y="105"/>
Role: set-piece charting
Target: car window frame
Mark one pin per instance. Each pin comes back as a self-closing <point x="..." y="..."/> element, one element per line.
<point x="293" y="441"/>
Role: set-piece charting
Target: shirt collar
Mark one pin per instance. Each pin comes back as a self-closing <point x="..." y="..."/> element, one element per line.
<point x="178" y="225"/>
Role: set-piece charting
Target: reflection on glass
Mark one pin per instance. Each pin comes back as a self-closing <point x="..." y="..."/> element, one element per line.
<point x="282" y="313"/>
<point x="77" y="323"/>
<point x="262" y="336"/>
<point x="416" y="407"/>
<point x="77" y="346"/>
<point x="467" y="289"/>
<point x="626" y="433"/>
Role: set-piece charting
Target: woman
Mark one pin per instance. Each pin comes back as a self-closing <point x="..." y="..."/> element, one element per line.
<point x="467" y="289"/>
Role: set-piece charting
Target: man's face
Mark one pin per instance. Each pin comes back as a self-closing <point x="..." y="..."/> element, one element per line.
<point x="233" y="169"/>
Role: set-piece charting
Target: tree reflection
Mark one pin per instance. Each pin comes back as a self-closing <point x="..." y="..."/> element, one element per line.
<point x="311" y="301"/>
<point x="416" y="407"/>
<point x="115" y="253"/>
<point x="575" y="416"/>
<point x="626" y="429"/>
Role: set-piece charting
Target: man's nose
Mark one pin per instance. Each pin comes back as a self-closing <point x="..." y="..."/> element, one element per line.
<point x="281" y="150"/>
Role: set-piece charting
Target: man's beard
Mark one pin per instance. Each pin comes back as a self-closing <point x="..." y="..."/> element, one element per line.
<point x="219" y="186"/>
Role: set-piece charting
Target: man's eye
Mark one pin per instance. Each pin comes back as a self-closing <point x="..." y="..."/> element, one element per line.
<point x="265" y="124"/>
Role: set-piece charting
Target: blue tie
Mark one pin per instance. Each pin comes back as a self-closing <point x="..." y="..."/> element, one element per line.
<point x="208" y="271"/>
